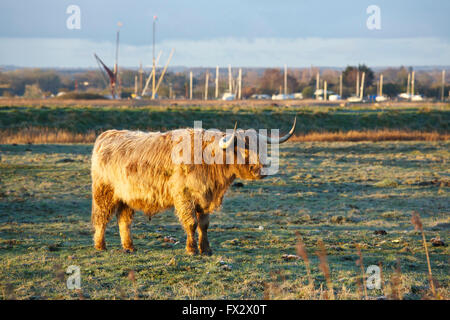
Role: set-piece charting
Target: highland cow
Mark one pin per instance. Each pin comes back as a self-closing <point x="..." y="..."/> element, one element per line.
<point x="133" y="170"/>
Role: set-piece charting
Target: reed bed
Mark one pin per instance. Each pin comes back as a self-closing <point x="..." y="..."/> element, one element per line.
<point x="37" y="135"/>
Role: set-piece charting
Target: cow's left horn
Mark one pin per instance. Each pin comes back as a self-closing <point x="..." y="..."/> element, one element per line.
<point x="284" y="138"/>
<point x="226" y="141"/>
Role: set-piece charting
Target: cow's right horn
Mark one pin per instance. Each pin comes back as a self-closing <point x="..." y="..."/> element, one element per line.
<point x="283" y="138"/>
<point x="226" y="141"/>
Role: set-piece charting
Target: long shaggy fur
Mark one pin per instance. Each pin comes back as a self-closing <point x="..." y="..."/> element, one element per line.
<point x="133" y="170"/>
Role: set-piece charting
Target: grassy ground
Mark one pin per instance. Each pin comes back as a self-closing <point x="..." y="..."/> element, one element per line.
<point x="340" y="192"/>
<point x="85" y="118"/>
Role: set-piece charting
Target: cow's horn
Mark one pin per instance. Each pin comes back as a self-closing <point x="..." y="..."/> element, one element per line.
<point x="282" y="139"/>
<point x="226" y="141"/>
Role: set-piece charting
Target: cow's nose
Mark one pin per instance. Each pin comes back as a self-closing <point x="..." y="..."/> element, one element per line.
<point x="268" y="164"/>
<point x="262" y="173"/>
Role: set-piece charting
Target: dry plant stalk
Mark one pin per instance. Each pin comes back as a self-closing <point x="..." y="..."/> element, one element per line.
<point x="301" y="251"/>
<point x="8" y="292"/>
<point x="418" y="226"/>
<point x="132" y="278"/>
<point x="266" y="294"/>
<point x="324" y="267"/>
<point x="396" y="280"/>
<point x="272" y="288"/>
<point x="80" y="294"/>
<point x="359" y="286"/>
<point x="380" y="264"/>
<point x="361" y="264"/>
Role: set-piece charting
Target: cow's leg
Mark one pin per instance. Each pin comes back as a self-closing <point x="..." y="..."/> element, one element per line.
<point x="99" y="225"/>
<point x="185" y="212"/>
<point x="203" y="223"/>
<point x="124" y="219"/>
<point x="103" y="207"/>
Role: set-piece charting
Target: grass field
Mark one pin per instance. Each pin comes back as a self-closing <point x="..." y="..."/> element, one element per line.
<point x="81" y="123"/>
<point x="88" y="118"/>
<point x="340" y="192"/>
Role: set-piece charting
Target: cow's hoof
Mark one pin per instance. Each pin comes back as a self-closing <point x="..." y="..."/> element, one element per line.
<point x="128" y="250"/>
<point x="192" y="251"/>
<point x="206" y="251"/>
<point x="101" y="247"/>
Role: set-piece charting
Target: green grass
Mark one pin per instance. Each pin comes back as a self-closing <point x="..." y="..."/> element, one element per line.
<point x="81" y="119"/>
<point x="338" y="192"/>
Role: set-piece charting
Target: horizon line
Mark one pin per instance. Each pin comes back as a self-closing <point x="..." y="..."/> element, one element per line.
<point x="233" y="67"/>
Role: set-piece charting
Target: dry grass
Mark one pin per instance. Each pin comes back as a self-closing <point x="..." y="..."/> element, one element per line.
<point x="360" y="262"/>
<point x="325" y="269"/>
<point x="373" y="135"/>
<point x="36" y="135"/>
<point x="415" y="219"/>
<point x="282" y="289"/>
<point x="44" y="135"/>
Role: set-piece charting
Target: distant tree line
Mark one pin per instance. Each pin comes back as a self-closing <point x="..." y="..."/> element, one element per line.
<point x="38" y="82"/>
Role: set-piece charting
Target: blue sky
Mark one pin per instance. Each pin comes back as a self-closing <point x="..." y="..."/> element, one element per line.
<point x="245" y="33"/>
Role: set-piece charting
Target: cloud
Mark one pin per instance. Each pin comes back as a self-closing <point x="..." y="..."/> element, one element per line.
<point x="258" y="52"/>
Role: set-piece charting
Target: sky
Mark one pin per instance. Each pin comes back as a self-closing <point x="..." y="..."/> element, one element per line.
<point x="243" y="33"/>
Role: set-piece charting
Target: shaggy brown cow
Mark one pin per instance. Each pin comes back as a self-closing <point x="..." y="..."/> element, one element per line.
<point x="133" y="170"/>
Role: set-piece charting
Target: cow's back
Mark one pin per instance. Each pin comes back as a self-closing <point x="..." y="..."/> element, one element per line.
<point x="136" y="165"/>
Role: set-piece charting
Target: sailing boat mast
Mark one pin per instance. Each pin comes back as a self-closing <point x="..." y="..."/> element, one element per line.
<point x="113" y="75"/>
<point x="116" y="64"/>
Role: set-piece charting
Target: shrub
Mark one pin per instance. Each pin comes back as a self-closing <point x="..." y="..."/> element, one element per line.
<point x="32" y="91"/>
<point x="308" y="92"/>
